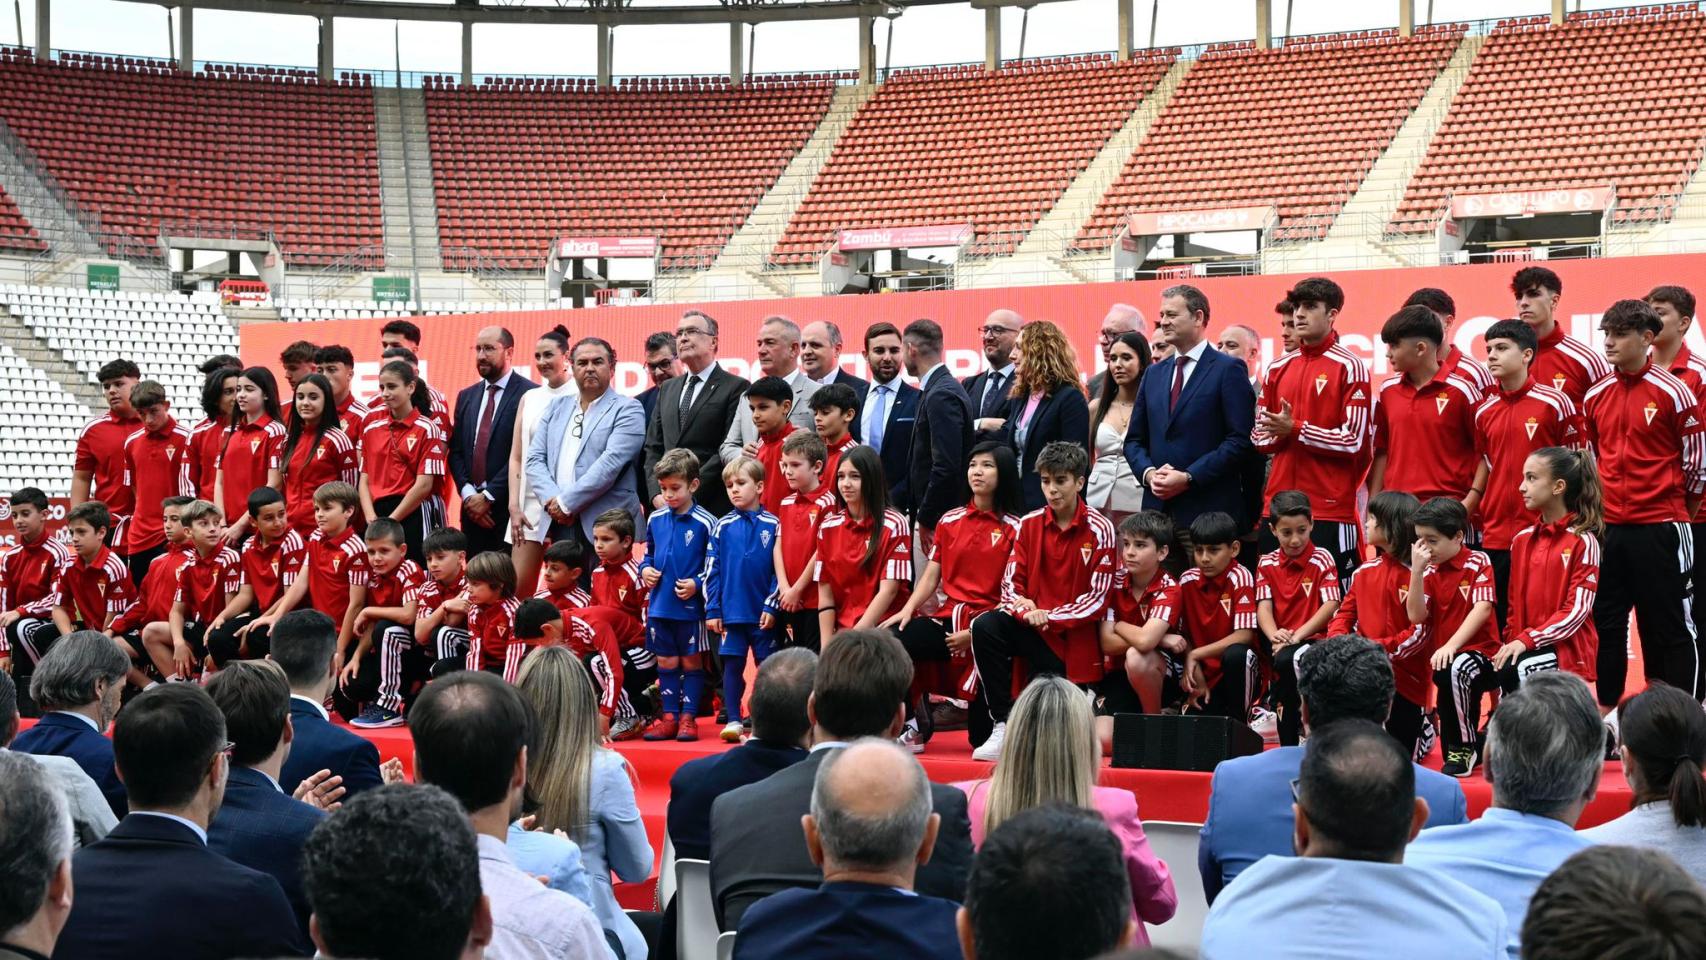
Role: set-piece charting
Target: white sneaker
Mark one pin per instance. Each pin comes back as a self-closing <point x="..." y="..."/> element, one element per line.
<point x="991" y="749"/>
<point x="910" y="739"/>
<point x="1266" y="723"/>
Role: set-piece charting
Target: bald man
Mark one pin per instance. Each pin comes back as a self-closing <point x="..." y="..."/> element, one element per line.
<point x="870" y="828"/>
<point x="778" y="350"/>
<point x="1242" y="343"/>
<point x="820" y="357"/>
<point x="480" y="438"/>
<point x="988" y="390"/>
<point x="1121" y="318"/>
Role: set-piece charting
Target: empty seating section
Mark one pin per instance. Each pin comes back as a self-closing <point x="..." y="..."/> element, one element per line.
<point x="39" y="423"/>
<point x="140" y="143"/>
<point x="16" y="233"/>
<point x="1612" y="97"/>
<point x="301" y="310"/>
<point x="167" y="335"/>
<point x="959" y="144"/>
<point x="518" y="164"/>
<point x="1296" y="127"/>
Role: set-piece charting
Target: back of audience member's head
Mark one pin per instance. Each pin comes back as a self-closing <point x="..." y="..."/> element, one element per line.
<point x="1051" y="754"/>
<point x="165" y="744"/>
<point x="470" y="730"/>
<point x="35" y="846"/>
<point x="1664" y="745"/>
<point x="1546" y="747"/>
<point x="254" y="698"/>
<point x="871" y="809"/>
<point x="395" y="875"/>
<point x="70" y="675"/>
<point x="303" y="642"/>
<point x="779" y="696"/>
<point x="1345" y="678"/>
<point x="1616" y="903"/>
<point x="1051" y="882"/>
<point x="8" y="711"/>
<point x="862" y="679"/>
<point x="1356" y="794"/>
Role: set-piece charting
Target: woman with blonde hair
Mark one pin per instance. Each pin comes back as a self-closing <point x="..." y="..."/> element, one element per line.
<point x="1051" y="755"/>
<point x="577" y="785"/>
<point x="1046" y="402"/>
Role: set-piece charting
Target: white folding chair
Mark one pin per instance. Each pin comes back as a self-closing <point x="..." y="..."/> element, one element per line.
<point x="1176" y="845"/>
<point x="666" y="873"/>
<point x="726" y="946"/>
<point x="695" y="918"/>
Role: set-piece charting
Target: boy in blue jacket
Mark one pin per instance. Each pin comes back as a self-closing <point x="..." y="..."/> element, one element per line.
<point x="678" y="538"/>
<point x="740" y="572"/>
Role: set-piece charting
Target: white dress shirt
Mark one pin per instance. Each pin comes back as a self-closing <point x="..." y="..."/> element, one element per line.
<point x="468" y="489"/>
<point x="1195" y="354"/>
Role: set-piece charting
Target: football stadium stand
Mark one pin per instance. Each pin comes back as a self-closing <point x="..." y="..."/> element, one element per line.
<point x="959" y="144"/>
<point x="141" y="144"/>
<point x="39" y="423"/>
<point x="1297" y="127"/>
<point x="16" y="233"/>
<point x="1623" y="103"/>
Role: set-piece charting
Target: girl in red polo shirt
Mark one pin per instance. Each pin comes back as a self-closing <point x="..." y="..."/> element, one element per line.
<point x="864" y="549"/>
<point x="967" y="560"/>
<point x="316" y="450"/>
<point x="249" y="458"/>
<point x="402" y="456"/>
<point x="207" y="438"/>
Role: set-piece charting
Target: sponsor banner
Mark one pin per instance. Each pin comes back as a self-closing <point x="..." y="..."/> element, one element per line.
<point x="1162" y="223"/>
<point x="1470" y="206"/>
<point x="1482" y="292"/>
<point x="905" y="238"/>
<point x="606" y="248"/>
<point x="57" y="507"/>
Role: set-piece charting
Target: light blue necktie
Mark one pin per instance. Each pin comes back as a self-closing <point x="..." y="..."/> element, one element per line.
<point x="879" y="418"/>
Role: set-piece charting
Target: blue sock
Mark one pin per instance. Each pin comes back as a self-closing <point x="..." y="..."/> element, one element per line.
<point x="669" y="689"/>
<point x="692" y="687"/>
<point x="734" y="686"/>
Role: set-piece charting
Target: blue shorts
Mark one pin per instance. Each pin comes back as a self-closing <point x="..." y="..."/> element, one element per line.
<point x="675" y="638"/>
<point x="738" y="638"/>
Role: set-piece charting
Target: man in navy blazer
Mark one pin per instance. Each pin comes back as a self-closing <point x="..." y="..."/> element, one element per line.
<point x="78" y="684"/>
<point x="302" y="643"/>
<point x="1249" y="806"/>
<point x="941" y="436"/>
<point x="152" y="888"/>
<point x="605" y="430"/>
<point x="259" y="825"/>
<point x="898" y="406"/>
<point x="1189" y="438"/>
<point x="481" y="469"/>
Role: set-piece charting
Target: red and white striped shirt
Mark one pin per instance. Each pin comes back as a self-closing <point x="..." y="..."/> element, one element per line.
<point x="1691" y="370"/>
<point x="797" y="522"/>
<point x="270" y="569"/>
<point x="1452" y="589"/>
<point x="491" y="631"/>
<point x="207" y="440"/>
<point x="27" y="572"/>
<point x="1212" y="608"/>
<point x="96" y="592"/>
<point x="1427" y="434"/>
<point x="334" y="566"/>
<point x="1296" y="586"/>
<point x="1158" y="600"/>
<point x="312" y="464"/>
<point x="156" y="466"/>
<point x="592" y="637"/>
<point x="1567" y="365"/>
<point x="100" y="452"/>
<point x="972" y="547"/>
<point x="395" y="452"/>
<point x="1068" y="574"/>
<point x="1509" y="427"/>
<point x="1554" y="579"/>
<point x="205" y="583"/>
<point x="1324" y="455"/>
<point x="618" y="586"/>
<point x="250" y="453"/>
<point x="842" y="543"/>
<point x="1646" y="432"/>
<point x="1469" y="369"/>
<point x="1374" y="607"/>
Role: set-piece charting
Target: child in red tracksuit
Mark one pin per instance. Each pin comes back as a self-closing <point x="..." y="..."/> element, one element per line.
<point x="540" y="624"/>
<point x="1374" y="607"/>
<point x="560" y="575"/>
<point x="490" y="606"/>
<point x="1555" y="568"/>
<point x="1453" y="593"/>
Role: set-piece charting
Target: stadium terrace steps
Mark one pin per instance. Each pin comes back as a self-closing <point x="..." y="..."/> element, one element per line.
<point x="16" y="231"/>
<point x="405" y="179"/>
<point x="39" y="420"/>
<point x="23" y="342"/>
<point x="30" y="192"/>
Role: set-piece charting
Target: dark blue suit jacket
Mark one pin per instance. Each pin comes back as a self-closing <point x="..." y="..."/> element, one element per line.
<point x="63" y="735"/>
<point x="897" y="436"/>
<point x="152" y="889"/>
<point x="1061" y="415"/>
<point x="941" y="447"/>
<point x="696" y="784"/>
<point x="1249" y="812"/>
<point x="462" y="435"/>
<point x="264" y="829"/>
<point x="848" y="921"/>
<point x="1207" y="436"/>
<point x="321" y="746"/>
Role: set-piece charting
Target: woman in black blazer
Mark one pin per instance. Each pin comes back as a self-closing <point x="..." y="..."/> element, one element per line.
<point x="1046" y="402"/>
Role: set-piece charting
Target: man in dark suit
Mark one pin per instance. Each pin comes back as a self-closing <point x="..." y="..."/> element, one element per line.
<point x="1189" y="439"/>
<point x="152" y="888"/>
<point x="259" y="825"/>
<point x="887" y="408"/>
<point x="870" y="828"/>
<point x="988" y="390"/>
<point x="661" y="366"/>
<point x="713" y="398"/>
<point x="77" y="684"/>
<point x="480" y="439"/>
<point x="302" y="643"/>
<point x="941" y="436"/>
<point x="820" y="356"/>
<point x="758" y="846"/>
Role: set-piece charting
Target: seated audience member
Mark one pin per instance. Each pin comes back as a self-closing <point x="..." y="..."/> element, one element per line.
<point x="259" y="825"/>
<point x="152" y="887"/>
<point x="1545" y="751"/>
<point x="1249" y="805"/>
<point x="471" y="731"/>
<point x="870" y="828"/>
<point x="77" y="685"/>
<point x="1348" y="892"/>
<point x="91" y="818"/>
<point x="1616" y="903"/>
<point x="1051" y="882"/>
<point x="582" y="788"/>
<point x="395" y="875"/>
<point x="1664" y="745"/>
<point x="35" y="846"/>
<point x="302" y="643"/>
<point x="757" y="844"/>
<point x="1051" y="755"/>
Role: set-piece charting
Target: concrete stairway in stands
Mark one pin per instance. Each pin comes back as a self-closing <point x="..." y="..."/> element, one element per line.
<point x="38" y="200"/>
<point x="405" y="180"/>
<point x="16" y="334"/>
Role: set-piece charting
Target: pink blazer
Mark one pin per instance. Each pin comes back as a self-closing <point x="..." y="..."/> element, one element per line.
<point x="1153" y="898"/>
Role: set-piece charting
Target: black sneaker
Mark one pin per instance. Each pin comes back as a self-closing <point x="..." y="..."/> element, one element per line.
<point x="1460" y="762"/>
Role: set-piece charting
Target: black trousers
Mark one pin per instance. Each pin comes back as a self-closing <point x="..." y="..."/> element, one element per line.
<point x="568" y="531"/>
<point x="140" y="561"/>
<point x="926" y="641"/>
<point x="1342" y="540"/>
<point x="29" y="639"/>
<point x="1233" y="692"/>
<point x="481" y="539"/>
<point x="997" y="637"/>
<point x="1411" y="726"/>
<point x="803" y="629"/>
<point x="1288" y="661"/>
<point x="1501" y="587"/>
<point x="427" y="517"/>
<point x="225" y="646"/>
<point x="1470" y="677"/>
<point x="1646" y="567"/>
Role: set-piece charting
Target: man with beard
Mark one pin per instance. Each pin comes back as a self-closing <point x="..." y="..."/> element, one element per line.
<point x="481" y="437"/>
<point x="887" y="410"/>
<point x="988" y="390"/>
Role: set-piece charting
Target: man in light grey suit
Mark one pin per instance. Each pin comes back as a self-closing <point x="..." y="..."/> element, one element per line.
<point x="581" y="459"/>
<point x="778" y="356"/>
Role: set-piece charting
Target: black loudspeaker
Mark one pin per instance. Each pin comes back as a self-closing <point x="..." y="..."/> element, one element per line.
<point x="1165" y="742"/>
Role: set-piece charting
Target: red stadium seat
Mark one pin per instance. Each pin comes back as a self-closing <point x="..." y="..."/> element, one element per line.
<point x="16" y="233"/>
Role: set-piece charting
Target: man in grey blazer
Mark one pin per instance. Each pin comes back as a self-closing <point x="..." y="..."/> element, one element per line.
<point x="714" y="396"/>
<point x="778" y="356"/>
<point x="581" y="459"/>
